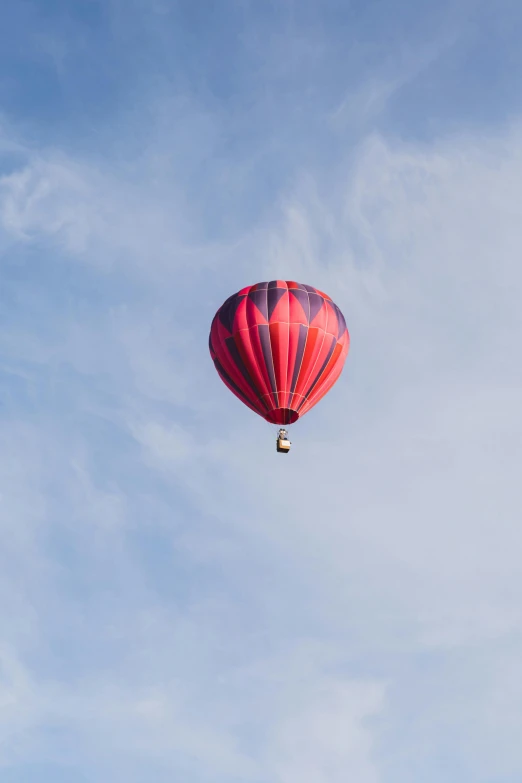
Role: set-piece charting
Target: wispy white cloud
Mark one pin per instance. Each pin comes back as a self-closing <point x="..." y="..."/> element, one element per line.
<point x="176" y="600"/>
<point x="406" y="531"/>
<point x="407" y="524"/>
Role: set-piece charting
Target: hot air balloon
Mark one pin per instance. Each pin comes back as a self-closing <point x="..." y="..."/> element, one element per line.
<point x="279" y="347"/>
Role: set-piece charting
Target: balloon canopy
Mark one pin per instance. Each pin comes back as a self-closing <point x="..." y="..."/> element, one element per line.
<point x="279" y="347"/>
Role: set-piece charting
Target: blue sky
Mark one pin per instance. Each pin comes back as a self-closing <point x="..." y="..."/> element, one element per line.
<point x="177" y="603"/>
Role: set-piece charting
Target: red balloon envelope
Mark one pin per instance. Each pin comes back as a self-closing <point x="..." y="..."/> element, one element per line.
<point x="279" y="347"/>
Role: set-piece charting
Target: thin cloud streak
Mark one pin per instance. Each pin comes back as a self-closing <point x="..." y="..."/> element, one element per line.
<point x="176" y="600"/>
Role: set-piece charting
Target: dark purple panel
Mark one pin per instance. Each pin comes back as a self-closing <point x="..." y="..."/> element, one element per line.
<point x="342" y="322"/>
<point x="303" y="332"/>
<point x="316" y="302"/>
<point x="259" y="298"/>
<point x="238" y="361"/>
<point x="261" y="286"/>
<point x="310" y="289"/>
<point x="272" y="284"/>
<point x="227" y="311"/>
<point x="274" y="297"/>
<point x="302" y="298"/>
<point x="264" y="336"/>
<point x="258" y="403"/>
